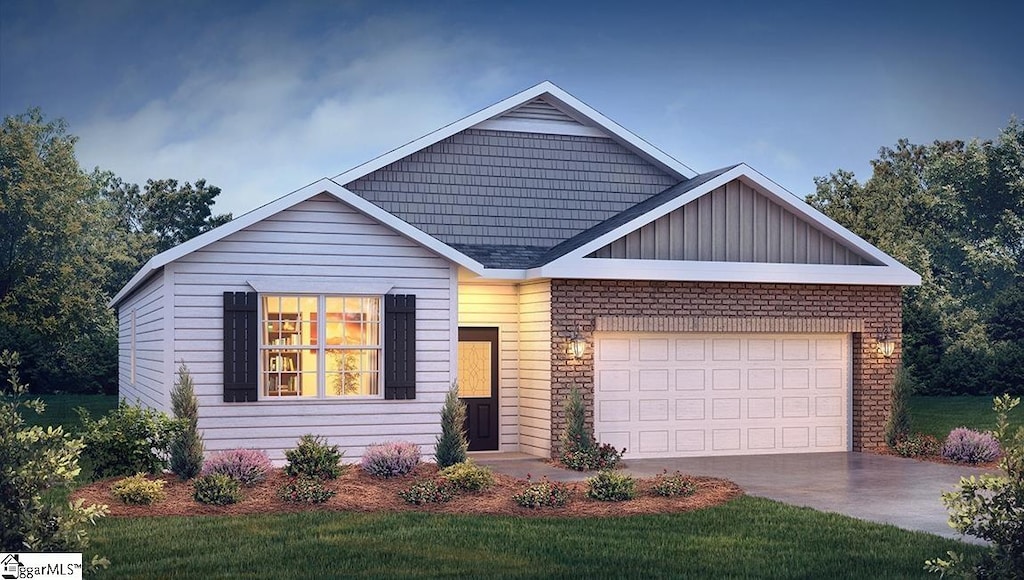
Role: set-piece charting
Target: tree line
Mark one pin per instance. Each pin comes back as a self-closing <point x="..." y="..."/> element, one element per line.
<point x="953" y="211"/>
<point x="69" y="240"/>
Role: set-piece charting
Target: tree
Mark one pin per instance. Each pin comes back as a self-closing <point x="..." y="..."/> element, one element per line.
<point x="187" y="445"/>
<point x="155" y="218"/>
<point x="37" y="459"/>
<point x="953" y="211"/>
<point x="53" y="253"/>
<point x="451" y="444"/>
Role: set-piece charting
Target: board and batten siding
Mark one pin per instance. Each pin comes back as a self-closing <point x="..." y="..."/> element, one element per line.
<point x="535" y="368"/>
<point x="733" y="223"/>
<point x="150" y="384"/>
<point x="325" y="240"/>
<point x="497" y="305"/>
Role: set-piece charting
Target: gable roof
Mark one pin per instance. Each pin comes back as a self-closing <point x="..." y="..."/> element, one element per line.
<point x="542" y="110"/>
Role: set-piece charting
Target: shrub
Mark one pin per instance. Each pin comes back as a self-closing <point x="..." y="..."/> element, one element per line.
<point x="608" y="485"/>
<point x="468" y="476"/>
<point x="216" y="489"/>
<point x="138" y="489"/>
<point x="579" y="450"/>
<point x="673" y="485"/>
<point x="918" y="445"/>
<point x="127" y="440"/>
<point x="969" y="446"/>
<point x="544" y="493"/>
<point x="897" y="426"/>
<point x="991" y="507"/>
<point x="187" y="445"/>
<point x="315" y="458"/>
<point x="246" y="466"/>
<point x="451" y="444"/>
<point x="390" y="459"/>
<point x="428" y="491"/>
<point x="305" y="489"/>
<point x="36" y="459"/>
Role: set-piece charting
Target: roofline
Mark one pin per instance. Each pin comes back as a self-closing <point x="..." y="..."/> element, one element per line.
<point x="746" y="173"/>
<point x="625" y="137"/>
<point x="283" y="203"/>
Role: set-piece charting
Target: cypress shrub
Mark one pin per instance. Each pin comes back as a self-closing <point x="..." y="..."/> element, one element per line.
<point x="187" y="446"/>
<point x="452" y="445"/>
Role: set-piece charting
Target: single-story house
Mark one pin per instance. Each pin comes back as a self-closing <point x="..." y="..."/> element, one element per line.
<point x="527" y="249"/>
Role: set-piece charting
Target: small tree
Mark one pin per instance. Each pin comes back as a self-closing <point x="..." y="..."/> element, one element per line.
<point x="897" y="427"/>
<point x="187" y="446"/>
<point x="36" y="459"/>
<point x="452" y="444"/>
<point x="577" y="438"/>
<point x="991" y="507"/>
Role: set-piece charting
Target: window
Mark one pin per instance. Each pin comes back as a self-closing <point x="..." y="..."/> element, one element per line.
<point x="132" y="365"/>
<point x="320" y="346"/>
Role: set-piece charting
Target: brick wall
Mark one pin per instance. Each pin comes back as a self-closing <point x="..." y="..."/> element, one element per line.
<point x="576" y="304"/>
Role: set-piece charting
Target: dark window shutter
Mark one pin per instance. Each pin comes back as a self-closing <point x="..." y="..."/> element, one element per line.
<point x="241" y="332"/>
<point x="399" y="346"/>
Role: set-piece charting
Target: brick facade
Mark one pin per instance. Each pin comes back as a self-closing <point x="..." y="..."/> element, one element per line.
<point x="578" y="304"/>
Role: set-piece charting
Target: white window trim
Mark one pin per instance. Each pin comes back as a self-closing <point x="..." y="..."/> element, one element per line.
<point x="132" y="365"/>
<point x="321" y="372"/>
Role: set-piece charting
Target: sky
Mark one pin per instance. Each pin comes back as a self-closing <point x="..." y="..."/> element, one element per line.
<point x="262" y="98"/>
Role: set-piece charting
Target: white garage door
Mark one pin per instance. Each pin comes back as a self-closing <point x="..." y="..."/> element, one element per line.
<point x="675" y="395"/>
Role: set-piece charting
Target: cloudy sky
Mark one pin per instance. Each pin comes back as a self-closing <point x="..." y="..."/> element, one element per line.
<point x="261" y="98"/>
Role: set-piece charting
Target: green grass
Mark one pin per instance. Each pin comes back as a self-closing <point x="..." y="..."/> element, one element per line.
<point x="939" y="415"/>
<point x="60" y="409"/>
<point x="746" y="538"/>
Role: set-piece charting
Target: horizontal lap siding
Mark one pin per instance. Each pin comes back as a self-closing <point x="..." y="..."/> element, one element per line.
<point x="490" y="305"/>
<point x="151" y="385"/>
<point x="324" y="239"/>
<point x="535" y="365"/>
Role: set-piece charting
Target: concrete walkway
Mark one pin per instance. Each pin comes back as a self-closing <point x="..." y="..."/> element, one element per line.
<point x="878" y="488"/>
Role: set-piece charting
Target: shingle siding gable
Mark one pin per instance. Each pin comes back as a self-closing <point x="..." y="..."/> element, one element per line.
<point x="493" y="188"/>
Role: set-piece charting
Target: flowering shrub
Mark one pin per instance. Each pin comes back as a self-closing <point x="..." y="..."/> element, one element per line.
<point x="673" y="485"/>
<point x="246" y="466"/>
<point x="138" y="489"/>
<point x="216" y="489"/>
<point x="390" y="459"/>
<point x="608" y="485"/>
<point x="428" y="491"/>
<point x="918" y="445"/>
<point x="543" y="493"/>
<point x="305" y="489"/>
<point x="315" y="458"/>
<point x="468" y="476"/>
<point x="969" y="446"/>
<point x="604" y="456"/>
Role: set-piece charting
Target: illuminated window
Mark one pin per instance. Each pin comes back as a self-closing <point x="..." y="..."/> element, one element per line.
<point x="320" y="346"/>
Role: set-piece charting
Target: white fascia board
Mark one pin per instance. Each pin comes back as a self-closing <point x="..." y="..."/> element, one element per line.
<point x="584" y="113"/>
<point x="618" y="269"/>
<point x="286" y="202"/>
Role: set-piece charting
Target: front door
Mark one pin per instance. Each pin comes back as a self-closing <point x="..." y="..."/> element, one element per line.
<point x="478" y="385"/>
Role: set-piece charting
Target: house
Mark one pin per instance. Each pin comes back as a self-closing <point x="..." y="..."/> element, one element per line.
<point x="530" y="248"/>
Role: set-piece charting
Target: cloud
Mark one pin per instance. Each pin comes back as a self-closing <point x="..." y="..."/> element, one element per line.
<point x="261" y="120"/>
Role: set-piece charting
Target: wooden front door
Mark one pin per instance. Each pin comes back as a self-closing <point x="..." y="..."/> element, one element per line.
<point x="478" y="385"/>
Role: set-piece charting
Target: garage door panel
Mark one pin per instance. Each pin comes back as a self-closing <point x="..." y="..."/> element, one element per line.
<point x="662" y="395"/>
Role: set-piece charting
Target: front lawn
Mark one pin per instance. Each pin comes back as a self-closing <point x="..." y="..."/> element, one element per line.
<point x="939" y="415"/>
<point x="748" y="537"/>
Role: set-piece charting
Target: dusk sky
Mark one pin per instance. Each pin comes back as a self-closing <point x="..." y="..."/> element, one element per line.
<point x="262" y="98"/>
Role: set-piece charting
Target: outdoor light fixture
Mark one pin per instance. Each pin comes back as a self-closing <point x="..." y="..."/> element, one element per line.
<point x="577" y="345"/>
<point x="886" y="344"/>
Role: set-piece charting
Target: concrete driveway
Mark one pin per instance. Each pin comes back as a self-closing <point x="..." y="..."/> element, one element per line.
<point x="878" y="488"/>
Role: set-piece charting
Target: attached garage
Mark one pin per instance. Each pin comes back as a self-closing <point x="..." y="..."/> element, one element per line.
<point x="690" y="394"/>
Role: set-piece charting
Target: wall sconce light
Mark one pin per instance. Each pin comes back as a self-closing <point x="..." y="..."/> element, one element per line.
<point x="577" y="345"/>
<point x="886" y="344"/>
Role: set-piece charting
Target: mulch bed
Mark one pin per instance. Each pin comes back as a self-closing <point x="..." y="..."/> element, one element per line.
<point x="886" y="450"/>
<point x="360" y="492"/>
